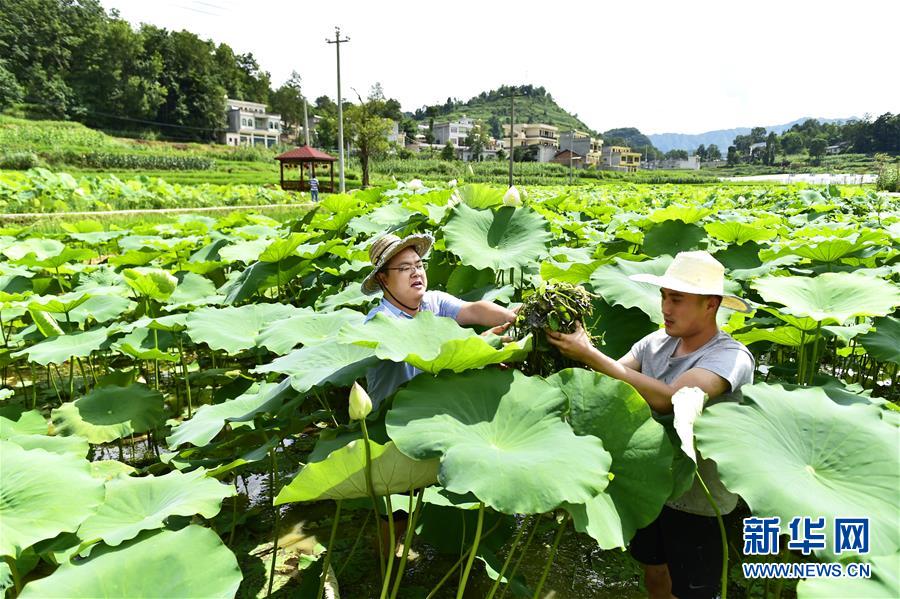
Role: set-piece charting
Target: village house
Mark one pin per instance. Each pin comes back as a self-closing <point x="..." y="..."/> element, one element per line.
<point x="581" y="144"/>
<point x="620" y="158"/>
<point x="248" y="124"/>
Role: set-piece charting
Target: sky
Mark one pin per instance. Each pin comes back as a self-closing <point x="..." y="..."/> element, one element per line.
<point x="660" y="66"/>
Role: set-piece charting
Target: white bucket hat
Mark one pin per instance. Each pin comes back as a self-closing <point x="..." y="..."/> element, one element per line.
<point x="697" y="273"/>
<point x="386" y="247"/>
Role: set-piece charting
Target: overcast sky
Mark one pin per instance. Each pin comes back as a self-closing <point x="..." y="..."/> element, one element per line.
<point x="661" y="66"/>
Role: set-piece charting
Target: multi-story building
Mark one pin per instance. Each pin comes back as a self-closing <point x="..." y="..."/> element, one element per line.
<point x="455" y="132"/>
<point x="620" y="158"/>
<point x="582" y="144"/>
<point x="250" y="125"/>
<point x="531" y="134"/>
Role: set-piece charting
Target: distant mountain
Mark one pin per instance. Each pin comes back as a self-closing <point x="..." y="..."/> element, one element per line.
<point x="722" y="137"/>
<point x="630" y="136"/>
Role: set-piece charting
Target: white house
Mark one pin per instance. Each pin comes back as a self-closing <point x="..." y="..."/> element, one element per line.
<point x="248" y="124"/>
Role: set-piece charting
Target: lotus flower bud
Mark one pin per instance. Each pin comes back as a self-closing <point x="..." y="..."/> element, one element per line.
<point x="454" y="199"/>
<point x="512" y="197"/>
<point x="415" y="185"/>
<point x="451" y="183"/>
<point x="360" y="403"/>
<point x="687" y="403"/>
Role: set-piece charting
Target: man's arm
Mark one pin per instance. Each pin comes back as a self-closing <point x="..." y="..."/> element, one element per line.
<point x="656" y="393"/>
<point x="484" y="313"/>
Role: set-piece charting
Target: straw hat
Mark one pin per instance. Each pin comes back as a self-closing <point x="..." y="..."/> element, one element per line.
<point x="386" y="247"/>
<point x="698" y="273"/>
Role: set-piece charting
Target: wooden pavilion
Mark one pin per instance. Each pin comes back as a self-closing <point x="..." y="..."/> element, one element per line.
<point x="306" y="157"/>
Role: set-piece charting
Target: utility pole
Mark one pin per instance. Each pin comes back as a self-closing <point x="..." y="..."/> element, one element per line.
<point x="337" y="41"/>
<point x="512" y="123"/>
<point x="305" y="121"/>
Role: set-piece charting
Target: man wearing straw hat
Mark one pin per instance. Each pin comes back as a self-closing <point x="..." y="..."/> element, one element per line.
<point x="681" y="550"/>
<point x="398" y="271"/>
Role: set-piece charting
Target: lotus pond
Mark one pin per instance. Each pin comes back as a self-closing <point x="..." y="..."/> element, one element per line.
<point x="174" y="405"/>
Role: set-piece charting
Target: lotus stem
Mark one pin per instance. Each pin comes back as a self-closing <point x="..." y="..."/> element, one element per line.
<point x="407" y="540"/>
<point x="512" y="550"/>
<point x="329" y="551"/>
<point x="386" y="583"/>
<point x="453" y="568"/>
<point x="184" y="373"/>
<point x="814" y="361"/>
<point x="722" y="534"/>
<point x="474" y="550"/>
<point x="556" y="539"/>
<point x="17" y="580"/>
<point x="370" y="489"/>
<point x="522" y="554"/>
<point x="273" y="482"/>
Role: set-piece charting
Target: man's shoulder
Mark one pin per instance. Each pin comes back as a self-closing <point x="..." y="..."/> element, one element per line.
<point x="380" y="307"/>
<point x="724" y="341"/>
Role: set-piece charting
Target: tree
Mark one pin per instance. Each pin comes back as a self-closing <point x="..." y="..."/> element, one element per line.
<point x="677" y="155"/>
<point x="10" y="90"/>
<point x="757" y="135"/>
<point x="501" y="154"/>
<point x="771" y="148"/>
<point x="817" y="148"/>
<point x="287" y="101"/>
<point x="791" y="142"/>
<point x="447" y="152"/>
<point x="713" y="152"/>
<point x="733" y="157"/>
<point x="496" y="129"/>
<point x="701" y="152"/>
<point x="476" y="140"/>
<point x="368" y="132"/>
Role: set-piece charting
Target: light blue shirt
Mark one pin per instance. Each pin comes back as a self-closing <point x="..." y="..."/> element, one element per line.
<point x="383" y="379"/>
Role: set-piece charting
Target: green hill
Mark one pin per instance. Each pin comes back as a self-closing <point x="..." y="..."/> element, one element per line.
<point x="492" y="107"/>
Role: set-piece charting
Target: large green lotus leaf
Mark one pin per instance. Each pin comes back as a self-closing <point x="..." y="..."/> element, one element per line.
<point x="671" y="237"/>
<point x="101" y="308"/>
<point x="787" y="336"/>
<point x="431" y="343"/>
<point x="615" y="329"/>
<point x="352" y="295"/>
<point x="244" y="251"/>
<point x="820" y="459"/>
<point x="688" y="213"/>
<point x="306" y="327"/>
<point x="499" y="240"/>
<point x="31" y="422"/>
<point x="324" y="363"/>
<point x="43" y="495"/>
<point x="155" y="283"/>
<point x="39" y="247"/>
<point x="641" y="454"/>
<point x="478" y="196"/>
<point x="147" y="344"/>
<point x="736" y="232"/>
<point x="193" y="290"/>
<point x="281" y="248"/>
<point x="500" y="435"/>
<point x="883" y="584"/>
<point x="58" y="303"/>
<point x="135" y="504"/>
<point x="234" y="329"/>
<point x="192" y="562"/>
<point x="209" y="419"/>
<point x="76" y="446"/>
<point x="110" y="413"/>
<point x="612" y="283"/>
<point x="883" y="344"/>
<point x="830" y="297"/>
<point x="57" y="350"/>
<point x="342" y="475"/>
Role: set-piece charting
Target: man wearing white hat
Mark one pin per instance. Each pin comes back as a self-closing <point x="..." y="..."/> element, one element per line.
<point x="681" y="550"/>
<point x="398" y="271"/>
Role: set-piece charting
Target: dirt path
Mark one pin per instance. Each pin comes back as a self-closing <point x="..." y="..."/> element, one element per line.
<point x="104" y="213"/>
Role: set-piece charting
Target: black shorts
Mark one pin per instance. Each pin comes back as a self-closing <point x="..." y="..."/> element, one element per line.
<point x="690" y="545"/>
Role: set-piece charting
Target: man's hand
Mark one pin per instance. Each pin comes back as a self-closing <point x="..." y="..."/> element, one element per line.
<point x="499" y="330"/>
<point x="576" y="346"/>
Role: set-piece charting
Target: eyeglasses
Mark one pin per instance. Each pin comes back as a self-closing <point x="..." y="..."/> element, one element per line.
<point x="408" y="269"/>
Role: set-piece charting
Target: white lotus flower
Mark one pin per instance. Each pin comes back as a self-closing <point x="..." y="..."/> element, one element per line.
<point x="687" y="403"/>
<point x="360" y="403"/>
<point x="512" y="197"/>
<point x="451" y="183"/>
<point x="415" y="185"/>
<point x="454" y="199"/>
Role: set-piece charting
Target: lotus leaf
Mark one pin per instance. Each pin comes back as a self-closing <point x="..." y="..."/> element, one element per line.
<point x="341" y="475"/>
<point x="57" y="350"/>
<point x="883" y="343"/>
<point x="233" y="329"/>
<point x="500" y="435"/>
<point x="430" y="343"/>
<point x="110" y="413"/>
<point x="155" y="283"/>
<point x="641" y="455"/>
<point x="306" y="327"/>
<point x="44" y="494"/>
<point x="830" y="297"/>
<point x="161" y="564"/>
<point x="612" y="283"/>
<point x="135" y="504"/>
<point x="821" y="459"/>
<point x="499" y="240"/>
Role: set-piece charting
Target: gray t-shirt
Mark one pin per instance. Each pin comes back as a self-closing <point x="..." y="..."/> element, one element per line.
<point x="721" y="355"/>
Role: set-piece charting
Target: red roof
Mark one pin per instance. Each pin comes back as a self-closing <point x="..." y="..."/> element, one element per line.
<point x="306" y="154"/>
